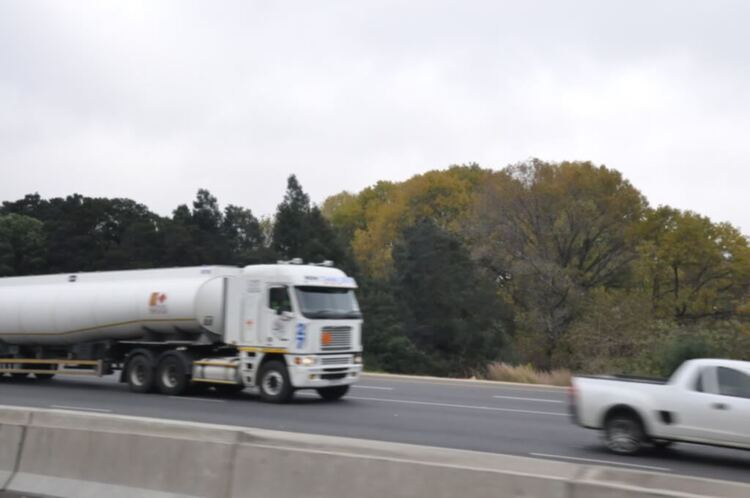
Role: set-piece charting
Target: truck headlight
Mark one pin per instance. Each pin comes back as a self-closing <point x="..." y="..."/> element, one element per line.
<point x="357" y="359"/>
<point x="308" y="361"/>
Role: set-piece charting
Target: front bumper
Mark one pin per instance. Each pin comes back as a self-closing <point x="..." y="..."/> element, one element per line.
<point x="317" y="376"/>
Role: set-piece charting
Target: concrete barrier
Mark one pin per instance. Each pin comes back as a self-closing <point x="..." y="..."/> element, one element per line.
<point x="12" y="427"/>
<point x="68" y="454"/>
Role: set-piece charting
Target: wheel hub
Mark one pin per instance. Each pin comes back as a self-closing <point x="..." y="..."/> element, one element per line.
<point x="273" y="383"/>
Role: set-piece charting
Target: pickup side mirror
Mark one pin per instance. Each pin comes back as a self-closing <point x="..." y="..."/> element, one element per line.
<point x="286" y="315"/>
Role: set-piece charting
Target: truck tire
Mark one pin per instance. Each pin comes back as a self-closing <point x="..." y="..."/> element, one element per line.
<point x="624" y="434"/>
<point x="273" y="382"/>
<point x="333" y="393"/>
<point x="139" y="374"/>
<point x="171" y="376"/>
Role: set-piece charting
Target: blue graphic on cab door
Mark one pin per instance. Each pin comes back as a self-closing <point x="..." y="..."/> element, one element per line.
<point x="300" y="335"/>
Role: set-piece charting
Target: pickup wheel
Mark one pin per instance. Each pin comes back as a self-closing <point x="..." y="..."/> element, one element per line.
<point x="624" y="434"/>
<point x="140" y="374"/>
<point x="171" y="376"/>
<point x="274" y="382"/>
<point x="332" y="393"/>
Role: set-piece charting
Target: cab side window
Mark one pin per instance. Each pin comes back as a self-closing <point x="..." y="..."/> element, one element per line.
<point x="699" y="381"/>
<point x="733" y="383"/>
<point x="278" y="299"/>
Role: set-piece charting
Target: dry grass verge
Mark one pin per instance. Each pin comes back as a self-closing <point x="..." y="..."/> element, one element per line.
<point x="526" y="374"/>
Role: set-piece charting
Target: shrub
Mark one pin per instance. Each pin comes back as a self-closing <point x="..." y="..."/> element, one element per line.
<point x="527" y="374"/>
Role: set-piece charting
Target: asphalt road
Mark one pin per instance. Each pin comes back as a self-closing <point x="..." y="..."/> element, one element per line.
<point x="512" y="420"/>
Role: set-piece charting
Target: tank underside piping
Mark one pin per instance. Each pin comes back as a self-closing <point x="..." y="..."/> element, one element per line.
<point x="98" y="327"/>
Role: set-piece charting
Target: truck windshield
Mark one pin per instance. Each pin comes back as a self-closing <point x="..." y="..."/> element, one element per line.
<point x="327" y="302"/>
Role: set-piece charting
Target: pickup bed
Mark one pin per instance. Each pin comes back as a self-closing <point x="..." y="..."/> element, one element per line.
<point x="705" y="401"/>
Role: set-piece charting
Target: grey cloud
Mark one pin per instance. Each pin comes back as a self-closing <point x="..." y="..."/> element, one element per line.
<point x="152" y="100"/>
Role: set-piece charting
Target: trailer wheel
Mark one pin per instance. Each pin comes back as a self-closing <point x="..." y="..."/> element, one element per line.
<point x="624" y="434"/>
<point x="274" y="383"/>
<point x="171" y="377"/>
<point x="140" y="374"/>
<point x="332" y="393"/>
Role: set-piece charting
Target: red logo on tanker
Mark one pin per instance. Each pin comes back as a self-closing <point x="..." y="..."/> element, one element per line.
<point x="156" y="302"/>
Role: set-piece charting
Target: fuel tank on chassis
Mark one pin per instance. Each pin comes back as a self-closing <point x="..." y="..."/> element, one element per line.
<point x="83" y="307"/>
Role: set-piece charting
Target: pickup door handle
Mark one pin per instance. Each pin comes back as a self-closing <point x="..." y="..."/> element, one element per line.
<point x="719" y="406"/>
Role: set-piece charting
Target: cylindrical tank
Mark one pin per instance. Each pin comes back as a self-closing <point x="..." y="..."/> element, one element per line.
<point x="69" y="309"/>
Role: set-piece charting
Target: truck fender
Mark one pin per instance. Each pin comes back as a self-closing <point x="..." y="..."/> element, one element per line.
<point x="271" y="357"/>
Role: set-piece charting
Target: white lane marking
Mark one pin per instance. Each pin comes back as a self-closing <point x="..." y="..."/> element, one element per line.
<point x="606" y="462"/>
<point x="80" y="408"/>
<point x="451" y="405"/>
<point x="357" y="386"/>
<point x="530" y="399"/>
<point x="207" y="400"/>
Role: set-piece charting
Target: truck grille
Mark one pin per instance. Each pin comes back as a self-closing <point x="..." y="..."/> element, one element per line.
<point x="335" y="338"/>
<point x="339" y="360"/>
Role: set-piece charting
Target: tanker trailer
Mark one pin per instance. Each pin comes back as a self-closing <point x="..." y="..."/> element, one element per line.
<point x="274" y="328"/>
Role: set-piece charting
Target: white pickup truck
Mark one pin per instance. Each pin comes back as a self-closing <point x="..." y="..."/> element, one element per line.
<point x="706" y="401"/>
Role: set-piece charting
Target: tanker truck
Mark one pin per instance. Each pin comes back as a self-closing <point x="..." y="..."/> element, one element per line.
<point x="275" y="328"/>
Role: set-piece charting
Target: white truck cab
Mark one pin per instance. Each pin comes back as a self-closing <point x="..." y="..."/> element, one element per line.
<point x="306" y="316"/>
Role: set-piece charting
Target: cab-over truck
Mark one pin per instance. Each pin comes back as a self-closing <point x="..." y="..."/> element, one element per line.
<point x="275" y="328"/>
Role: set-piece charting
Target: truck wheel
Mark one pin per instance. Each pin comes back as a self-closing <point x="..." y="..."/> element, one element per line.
<point x="624" y="434"/>
<point x="140" y="374"/>
<point x="171" y="377"/>
<point x="274" y="383"/>
<point x="332" y="393"/>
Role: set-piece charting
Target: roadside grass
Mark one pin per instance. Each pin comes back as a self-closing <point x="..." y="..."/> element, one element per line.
<point x="526" y="374"/>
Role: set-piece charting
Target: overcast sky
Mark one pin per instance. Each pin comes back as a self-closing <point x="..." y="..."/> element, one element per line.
<point x="152" y="100"/>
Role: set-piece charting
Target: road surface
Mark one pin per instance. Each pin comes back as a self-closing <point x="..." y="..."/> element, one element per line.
<point x="516" y="420"/>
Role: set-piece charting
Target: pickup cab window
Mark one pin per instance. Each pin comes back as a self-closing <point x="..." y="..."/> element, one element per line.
<point x="699" y="381"/>
<point x="733" y="383"/>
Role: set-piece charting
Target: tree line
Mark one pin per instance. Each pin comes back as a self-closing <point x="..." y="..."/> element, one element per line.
<point x="549" y="264"/>
<point x="556" y="265"/>
<point x="79" y="233"/>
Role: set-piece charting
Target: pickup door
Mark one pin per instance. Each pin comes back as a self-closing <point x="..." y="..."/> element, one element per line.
<point x="712" y="407"/>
